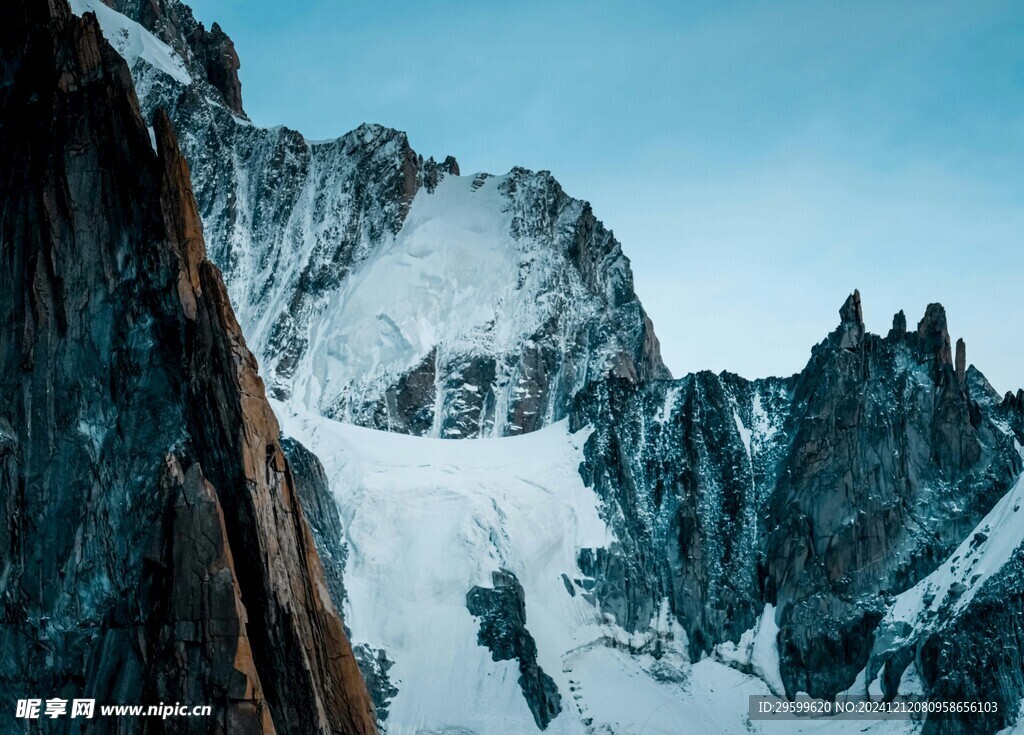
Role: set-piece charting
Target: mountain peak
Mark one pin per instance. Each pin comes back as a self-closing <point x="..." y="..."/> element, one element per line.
<point x="216" y="52"/>
<point x="899" y="324"/>
<point x="208" y="55"/>
<point x="852" y="322"/>
<point x="934" y="333"/>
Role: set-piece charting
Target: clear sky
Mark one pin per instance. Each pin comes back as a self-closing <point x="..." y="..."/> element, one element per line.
<point x="757" y="160"/>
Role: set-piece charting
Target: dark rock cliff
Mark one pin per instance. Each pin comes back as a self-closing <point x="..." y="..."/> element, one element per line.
<point x="891" y="465"/>
<point x="823" y="494"/>
<point x="154" y="547"/>
<point x="325" y="522"/>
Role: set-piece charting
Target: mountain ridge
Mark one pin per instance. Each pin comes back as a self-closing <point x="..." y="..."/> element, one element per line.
<point x="795" y="509"/>
<point x="291" y="223"/>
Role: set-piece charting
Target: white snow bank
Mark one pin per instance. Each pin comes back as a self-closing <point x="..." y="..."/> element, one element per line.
<point x="757" y="651"/>
<point x="448" y="278"/>
<point x="427" y="519"/>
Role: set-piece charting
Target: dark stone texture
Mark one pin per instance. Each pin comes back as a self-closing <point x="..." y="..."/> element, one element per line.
<point x="325" y="523"/>
<point x="978" y="656"/>
<point x="156" y="549"/>
<point x="502" y="614"/>
<point x="823" y="494"/>
<point x="321" y="514"/>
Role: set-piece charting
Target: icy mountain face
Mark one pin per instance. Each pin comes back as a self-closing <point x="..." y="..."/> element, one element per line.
<point x="499" y="298"/>
<point x="850" y="528"/>
<point x="955" y="634"/>
<point x="153" y="547"/>
<point x="384" y="289"/>
<point x="463" y="566"/>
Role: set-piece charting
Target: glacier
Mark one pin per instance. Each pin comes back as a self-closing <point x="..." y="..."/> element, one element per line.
<point x="426" y="519"/>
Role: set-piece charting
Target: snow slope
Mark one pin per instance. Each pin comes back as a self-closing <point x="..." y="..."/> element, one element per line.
<point x="982" y="554"/>
<point x="448" y="279"/>
<point x="427" y="519"/>
<point x="482" y="286"/>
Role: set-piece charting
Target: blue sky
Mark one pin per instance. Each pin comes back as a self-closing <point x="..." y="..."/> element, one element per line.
<point x="758" y="160"/>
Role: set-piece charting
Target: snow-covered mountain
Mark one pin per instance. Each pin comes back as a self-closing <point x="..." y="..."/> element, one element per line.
<point x="430" y="524"/>
<point x="679" y="545"/>
<point x="825" y="495"/>
<point x="384" y="289"/>
<point x="651" y="550"/>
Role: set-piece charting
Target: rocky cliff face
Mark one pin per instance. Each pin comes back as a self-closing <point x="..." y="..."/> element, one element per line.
<point x="154" y="545"/>
<point x="825" y="494"/>
<point x="209" y="55"/>
<point x="501" y="611"/>
<point x="299" y="228"/>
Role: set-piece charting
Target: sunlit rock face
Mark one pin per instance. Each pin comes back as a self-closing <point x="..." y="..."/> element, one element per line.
<point x="154" y="549"/>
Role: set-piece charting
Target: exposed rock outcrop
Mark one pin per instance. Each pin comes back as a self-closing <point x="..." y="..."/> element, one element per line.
<point x="978" y="656"/>
<point x="208" y="54"/>
<point x="501" y="611"/>
<point x="822" y="494"/>
<point x="887" y="470"/>
<point x="325" y="523"/>
<point x="155" y="548"/>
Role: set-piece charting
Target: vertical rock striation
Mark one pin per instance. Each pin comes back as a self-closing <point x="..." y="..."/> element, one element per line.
<point x="824" y="494"/>
<point x="155" y="548"/>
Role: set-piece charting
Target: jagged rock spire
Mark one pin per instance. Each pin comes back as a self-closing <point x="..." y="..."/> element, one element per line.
<point x="852" y="323"/>
<point x="899" y="325"/>
<point x="208" y="54"/>
<point x="934" y="334"/>
<point x="961" y="360"/>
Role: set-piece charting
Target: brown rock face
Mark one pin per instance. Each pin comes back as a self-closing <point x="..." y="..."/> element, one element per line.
<point x="154" y="549"/>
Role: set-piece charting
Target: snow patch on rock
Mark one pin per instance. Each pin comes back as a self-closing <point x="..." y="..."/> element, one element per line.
<point x="132" y="41"/>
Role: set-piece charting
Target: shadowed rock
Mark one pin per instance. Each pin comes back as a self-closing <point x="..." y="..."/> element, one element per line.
<point x="501" y="611"/>
<point x="823" y="494"/>
<point x="156" y="548"/>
